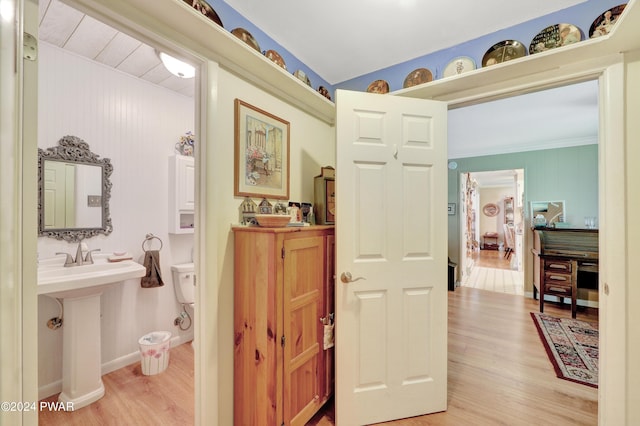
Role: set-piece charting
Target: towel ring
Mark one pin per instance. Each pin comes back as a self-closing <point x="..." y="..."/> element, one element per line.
<point x="148" y="239"/>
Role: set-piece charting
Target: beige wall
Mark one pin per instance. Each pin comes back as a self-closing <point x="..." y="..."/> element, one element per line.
<point x="312" y="146"/>
<point x="633" y="249"/>
<point x="494" y="195"/>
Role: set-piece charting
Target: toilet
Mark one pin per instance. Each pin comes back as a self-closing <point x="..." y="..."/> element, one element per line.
<point x="184" y="285"/>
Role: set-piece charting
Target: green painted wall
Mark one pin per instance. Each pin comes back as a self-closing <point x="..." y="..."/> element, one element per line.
<point x="569" y="174"/>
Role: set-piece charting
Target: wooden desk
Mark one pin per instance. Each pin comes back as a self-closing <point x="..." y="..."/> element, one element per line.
<point x="560" y="254"/>
<point x="490" y="241"/>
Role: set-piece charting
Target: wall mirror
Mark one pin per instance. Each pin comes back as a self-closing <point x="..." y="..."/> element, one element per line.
<point x="73" y="191"/>
<point x="552" y="211"/>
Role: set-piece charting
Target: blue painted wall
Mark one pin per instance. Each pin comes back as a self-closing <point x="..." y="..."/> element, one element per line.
<point x="231" y="20"/>
<point x="581" y="15"/>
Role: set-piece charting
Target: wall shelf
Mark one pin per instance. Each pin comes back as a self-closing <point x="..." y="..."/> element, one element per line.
<point x="555" y="67"/>
<point x="174" y="20"/>
<point x="177" y="21"/>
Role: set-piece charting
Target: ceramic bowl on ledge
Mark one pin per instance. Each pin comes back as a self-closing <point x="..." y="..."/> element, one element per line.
<point x="273" y="220"/>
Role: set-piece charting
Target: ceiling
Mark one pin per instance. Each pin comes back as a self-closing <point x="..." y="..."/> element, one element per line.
<point x="67" y="28"/>
<point x="341" y="39"/>
<point x="358" y="40"/>
<point x="554" y="118"/>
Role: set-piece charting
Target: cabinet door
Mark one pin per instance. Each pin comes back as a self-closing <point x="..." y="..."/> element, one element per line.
<point x="186" y="183"/>
<point x="257" y="368"/>
<point x="302" y="293"/>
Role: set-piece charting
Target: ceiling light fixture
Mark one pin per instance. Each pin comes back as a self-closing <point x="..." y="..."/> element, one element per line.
<point x="176" y="66"/>
<point x="6" y="11"/>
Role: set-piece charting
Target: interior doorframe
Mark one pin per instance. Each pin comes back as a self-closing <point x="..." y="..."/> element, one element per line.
<point x="205" y="237"/>
<point x="462" y="223"/>
<point x="610" y="73"/>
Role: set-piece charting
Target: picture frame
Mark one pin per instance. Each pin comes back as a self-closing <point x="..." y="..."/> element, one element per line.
<point x="324" y="196"/>
<point x="261" y="153"/>
<point x="451" y="209"/>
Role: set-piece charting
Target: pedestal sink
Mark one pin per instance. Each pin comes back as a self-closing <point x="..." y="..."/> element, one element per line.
<point x="80" y="288"/>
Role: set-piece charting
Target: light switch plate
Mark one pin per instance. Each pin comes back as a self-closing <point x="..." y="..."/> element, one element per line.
<point x="94" y="200"/>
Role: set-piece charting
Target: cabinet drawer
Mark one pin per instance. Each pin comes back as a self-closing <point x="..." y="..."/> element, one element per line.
<point x="557" y="278"/>
<point x="557" y="289"/>
<point x="557" y="283"/>
<point x="557" y="266"/>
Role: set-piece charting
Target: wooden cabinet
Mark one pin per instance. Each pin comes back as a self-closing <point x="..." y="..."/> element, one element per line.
<point x="283" y="287"/>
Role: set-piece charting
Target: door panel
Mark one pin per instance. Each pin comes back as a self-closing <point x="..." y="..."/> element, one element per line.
<point x="392" y="238"/>
<point x="303" y="281"/>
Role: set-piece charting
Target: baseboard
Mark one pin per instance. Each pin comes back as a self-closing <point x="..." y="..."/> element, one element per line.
<point x="49" y="389"/>
<point x="45" y="391"/>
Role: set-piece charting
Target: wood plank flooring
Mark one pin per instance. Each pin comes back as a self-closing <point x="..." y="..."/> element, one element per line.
<point x="492" y="259"/>
<point x="131" y="398"/>
<point x="499" y="374"/>
<point x="492" y="271"/>
<point x="498" y="370"/>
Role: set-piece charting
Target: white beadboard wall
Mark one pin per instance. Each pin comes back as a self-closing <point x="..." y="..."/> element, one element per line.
<point x="136" y="124"/>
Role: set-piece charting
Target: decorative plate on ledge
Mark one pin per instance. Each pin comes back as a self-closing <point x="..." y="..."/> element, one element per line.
<point x="378" y="86"/>
<point x="204" y="8"/>
<point x="555" y="36"/>
<point x="302" y="76"/>
<point x="459" y="65"/>
<point x="275" y="58"/>
<point x="246" y="36"/>
<point x="417" y="76"/>
<point x="603" y="23"/>
<point x="504" y="51"/>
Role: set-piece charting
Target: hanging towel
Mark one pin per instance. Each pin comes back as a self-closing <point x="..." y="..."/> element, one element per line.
<point x="153" y="278"/>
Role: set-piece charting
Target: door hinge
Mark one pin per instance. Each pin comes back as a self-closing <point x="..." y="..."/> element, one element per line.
<point x="29" y="47"/>
<point x="282" y="340"/>
<point x="283" y="252"/>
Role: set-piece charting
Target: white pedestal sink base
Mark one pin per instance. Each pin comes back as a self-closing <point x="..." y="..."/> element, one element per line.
<point x="81" y="353"/>
<point x="80" y="287"/>
<point x="84" y="400"/>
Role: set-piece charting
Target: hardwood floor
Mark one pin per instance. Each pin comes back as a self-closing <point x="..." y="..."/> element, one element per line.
<point x="498" y="370"/>
<point x="165" y="399"/>
<point x="492" y="271"/>
<point x="498" y="374"/>
<point x="491" y="259"/>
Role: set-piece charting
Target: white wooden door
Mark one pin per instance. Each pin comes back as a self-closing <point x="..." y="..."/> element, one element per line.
<point x="391" y="226"/>
<point x="59" y="195"/>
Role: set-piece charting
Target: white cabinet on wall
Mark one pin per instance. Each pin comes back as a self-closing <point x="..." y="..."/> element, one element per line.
<point x="181" y="194"/>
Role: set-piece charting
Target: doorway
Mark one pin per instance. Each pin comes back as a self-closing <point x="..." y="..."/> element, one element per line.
<point x="612" y="76"/>
<point x="492" y="234"/>
<point x="135" y="115"/>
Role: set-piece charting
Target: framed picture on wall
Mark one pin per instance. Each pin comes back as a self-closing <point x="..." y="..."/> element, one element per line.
<point x="261" y="153"/>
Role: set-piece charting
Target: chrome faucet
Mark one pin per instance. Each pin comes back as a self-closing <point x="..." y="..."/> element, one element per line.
<point x="79" y="260"/>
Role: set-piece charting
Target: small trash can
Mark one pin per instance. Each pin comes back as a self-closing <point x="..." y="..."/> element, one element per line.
<point x="154" y="352"/>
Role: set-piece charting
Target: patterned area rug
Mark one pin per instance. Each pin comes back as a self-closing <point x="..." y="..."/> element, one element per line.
<point x="572" y="346"/>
